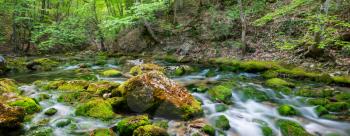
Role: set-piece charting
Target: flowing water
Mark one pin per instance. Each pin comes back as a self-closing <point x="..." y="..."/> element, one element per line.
<point x="244" y="115"/>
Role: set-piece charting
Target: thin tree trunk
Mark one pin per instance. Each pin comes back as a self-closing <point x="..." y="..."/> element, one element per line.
<point x="99" y="32"/>
<point x="244" y="27"/>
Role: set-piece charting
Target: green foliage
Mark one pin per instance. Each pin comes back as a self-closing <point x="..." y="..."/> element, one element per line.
<point x="66" y="35"/>
<point x="251" y="7"/>
<point x="280" y="12"/>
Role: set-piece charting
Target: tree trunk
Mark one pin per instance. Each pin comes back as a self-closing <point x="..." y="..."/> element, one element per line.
<point x="100" y="36"/>
<point x="244" y="27"/>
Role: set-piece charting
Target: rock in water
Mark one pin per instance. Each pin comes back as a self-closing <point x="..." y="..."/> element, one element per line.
<point x="154" y="93"/>
<point x="10" y="117"/>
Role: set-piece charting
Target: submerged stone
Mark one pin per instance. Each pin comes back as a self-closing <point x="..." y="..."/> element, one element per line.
<point x="150" y="130"/>
<point x="144" y="68"/>
<point x="40" y="131"/>
<point x="11" y="117"/>
<point x="221" y="93"/>
<point x="154" y="92"/>
<point x="97" y="108"/>
<point x="291" y="128"/>
<point x="287" y="110"/>
<point x="320" y="110"/>
<point x="252" y="93"/>
<point x="50" y="111"/>
<point x="222" y="122"/>
<point x="220" y="107"/>
<point x="208" y="129"/>
<point x="127" y="126"/>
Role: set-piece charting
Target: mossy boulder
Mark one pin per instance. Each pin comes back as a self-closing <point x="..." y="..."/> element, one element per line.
<point x="144" y="68"/>
<point x="222" y="122"/>
<point x="291" y="128"/>
<point x="277" y="82"/>
<point x="11" y="117"/>
<point x="150" y="130"/>
<point x="154" y="92"/>
<point x="221" y="93"/>
<point x="287" y="110"/>
<point x="254" y="94"/>
<point x="343" y="97"/>
<point x="270" y="74"/>
<point x="318" y="101"/>
<point x="28" y="104"/>
<point x="208" y="129"/>
<point x="102" y="132"/>
<point x="102" y="87"/>
<point x="74" y="97"/>
<point x="42" y="64"/>
<point x="8" y="85"/>
<point x="40" y="131"/>
<point x="318" y="93"/>
<point x="337" y="106"/>
<point x="74" y="85"/>
<point x="183" y="69"/>
<point x="50" y="111"/>
<point x="258" y="66"/>
<point x="111" y="73"/>
<point x="127" y="126"/>
<point x="52" y="85"/>
<point x="342" y="80"/>
<point x="96" y="108"/>
<point x="320" y="110"/>
<point x="280" y="85"/>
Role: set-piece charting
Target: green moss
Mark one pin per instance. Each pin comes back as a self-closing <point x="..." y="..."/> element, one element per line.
<point x="72" y="97"/>
<point x="111" y="73"/>
<point x="50" y="85"/>
<point x="210" y="73"/>
<point x="291" y="128"/>
<point x="50" y="111"/>
<point x="222" y="122"/>
<point x="220" y="107"/>
<point x="18" y="64"/>
<point x="221" y="93"/>
<point x="277" y="82"/>
<point x="179" y="71"/>
<point x="102" y="132"/>
<point x="42" y="96"/>
<point x="161" y="123"/>
<point x="171" y="58"/>
<point x="287" y="110"/>
<point x="63" y="122"/>
<point x="150" y="130"/>
<point x="200" y="88"/>
<point x="270" y="74"/>
<point x="97" y="108"/>
<point x="8" y="85"/>
<point x="341" y="80"/>
<point x="317" y="101"/>
<point x="28" y="104"/>
<point x="44" y="64"/>
<point x="266" y="130"/>
<point x="225" y="61"/>
<point x="258" y="66"/>
<point x="337" y="106"/>
<point x="144" y="68"/>
<point x="330" y="116"/>
<point x="320" y="110"/>
<point x="319" y="93"/>
<point x="74" y="85"/>
<point x="208" y="129"/>
<point x="343" y="97"/>
<point x="127" y="126"/>
<point x="252" y="93"/>
<point x="102" y="87"/>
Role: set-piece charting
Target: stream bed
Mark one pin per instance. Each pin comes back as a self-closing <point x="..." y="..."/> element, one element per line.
<point x="245" y="115"/>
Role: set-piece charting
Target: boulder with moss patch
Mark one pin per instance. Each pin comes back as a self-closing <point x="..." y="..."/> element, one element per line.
<point x="144" y="68"/>
<point x="97" y="108"/>
<point x="318" y="93"/>
<point x="102" y="132"/>
<point x="150" y="130"/>
<point x="127" y="126"/>
<point x="320" y="110"/>
<point x="11" y="117"/>
<point x="154" y="92"/>
<point x="111" y="73"/>
<point x="221" y="93"/>
<point x="28" y="104"/>
<point x="252" y="93"/>
<point x="291" y="128"/>
<point x="208" y="129"/>
<point x="287" y="110"/>
<point x="8" y="85"/>
<point x="337" y="106"/>
<point x="73" y="97"/>
<point x="280" y="85"/>
<point x="42" y="64"/>
<point x="102" y="87"/>
<point x="318" y="101"/>
<point x="74" y="85"/>
<point x="222" y="122"/>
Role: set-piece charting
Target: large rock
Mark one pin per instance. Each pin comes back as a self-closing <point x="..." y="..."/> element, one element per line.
<point x="10" y="117"/>
<point x="42" y="64"/>
<point x="154" y="93"/>
<point x="2" y="65"/>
